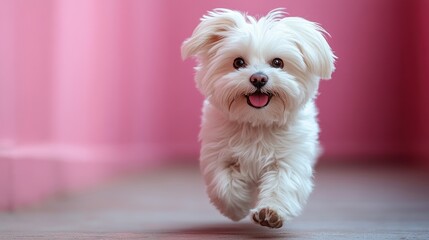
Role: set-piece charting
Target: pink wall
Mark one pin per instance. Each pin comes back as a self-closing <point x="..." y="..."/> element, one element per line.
<point x="89" y="88"/>
<point x="422" y="49"/>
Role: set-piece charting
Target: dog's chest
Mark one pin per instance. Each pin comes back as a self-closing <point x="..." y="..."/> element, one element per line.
<point x="254" y="148"/>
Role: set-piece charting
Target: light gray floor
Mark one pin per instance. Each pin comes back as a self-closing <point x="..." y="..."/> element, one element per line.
<point x="349" y="202"/>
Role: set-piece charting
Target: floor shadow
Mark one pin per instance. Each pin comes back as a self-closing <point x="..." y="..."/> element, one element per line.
<point x="231" y="231"/>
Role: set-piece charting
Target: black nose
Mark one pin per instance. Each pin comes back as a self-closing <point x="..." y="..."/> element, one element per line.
<point x="258" y="79"/>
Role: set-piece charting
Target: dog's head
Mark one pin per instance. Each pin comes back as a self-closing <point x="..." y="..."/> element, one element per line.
<point x="259" y="71"/>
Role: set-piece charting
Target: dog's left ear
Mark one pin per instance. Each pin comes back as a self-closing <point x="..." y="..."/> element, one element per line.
<point x="309" y="37"/>
<point x="212" y="29"/>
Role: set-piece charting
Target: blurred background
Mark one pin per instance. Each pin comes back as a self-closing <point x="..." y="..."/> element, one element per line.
<point x="92" y="89"/>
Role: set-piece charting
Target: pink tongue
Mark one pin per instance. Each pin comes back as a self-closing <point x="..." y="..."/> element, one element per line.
<point x="258" y="99"/>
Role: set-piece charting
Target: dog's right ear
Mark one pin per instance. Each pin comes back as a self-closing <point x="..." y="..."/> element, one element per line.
<point x="315" y="50"/>
<point x="212" y="29"/>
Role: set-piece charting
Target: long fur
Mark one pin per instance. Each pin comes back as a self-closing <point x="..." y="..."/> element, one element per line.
<point x="254" y="159"/>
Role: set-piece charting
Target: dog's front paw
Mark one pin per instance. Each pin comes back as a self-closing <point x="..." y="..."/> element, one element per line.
<point x="268" y="218"/>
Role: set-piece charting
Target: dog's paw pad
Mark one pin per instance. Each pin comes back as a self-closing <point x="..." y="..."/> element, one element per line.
<point x="268" y="218"/>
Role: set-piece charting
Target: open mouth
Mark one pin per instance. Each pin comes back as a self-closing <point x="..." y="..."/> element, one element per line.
<point x="258" y="99"/>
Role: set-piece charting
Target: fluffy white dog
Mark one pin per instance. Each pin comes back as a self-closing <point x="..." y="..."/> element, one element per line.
<point x="259" y="130"/>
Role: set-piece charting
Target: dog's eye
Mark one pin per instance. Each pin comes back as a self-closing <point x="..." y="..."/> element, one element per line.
<point x="277" y="63"/>
<point x="239" y="63"/>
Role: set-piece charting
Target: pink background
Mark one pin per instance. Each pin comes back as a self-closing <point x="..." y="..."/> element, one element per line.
<point x="91" y="88"/>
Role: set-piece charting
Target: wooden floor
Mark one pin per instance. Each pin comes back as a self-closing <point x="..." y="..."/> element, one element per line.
<point x="349" y="202"/>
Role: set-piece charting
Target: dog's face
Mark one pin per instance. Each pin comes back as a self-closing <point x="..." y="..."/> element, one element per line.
<point x="258" y="71"/>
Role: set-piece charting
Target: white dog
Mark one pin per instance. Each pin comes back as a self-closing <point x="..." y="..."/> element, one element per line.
<point x="259" y="130"/>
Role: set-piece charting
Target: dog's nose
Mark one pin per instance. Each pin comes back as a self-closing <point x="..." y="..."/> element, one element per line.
<point x="258" y="79"/>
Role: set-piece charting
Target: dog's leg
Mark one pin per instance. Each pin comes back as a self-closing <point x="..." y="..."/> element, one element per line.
<point x="229" y="190"/>
<point x="284" y="189"/>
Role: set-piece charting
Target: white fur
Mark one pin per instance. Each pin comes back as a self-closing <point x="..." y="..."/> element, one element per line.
<point x="253" y="158"/>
